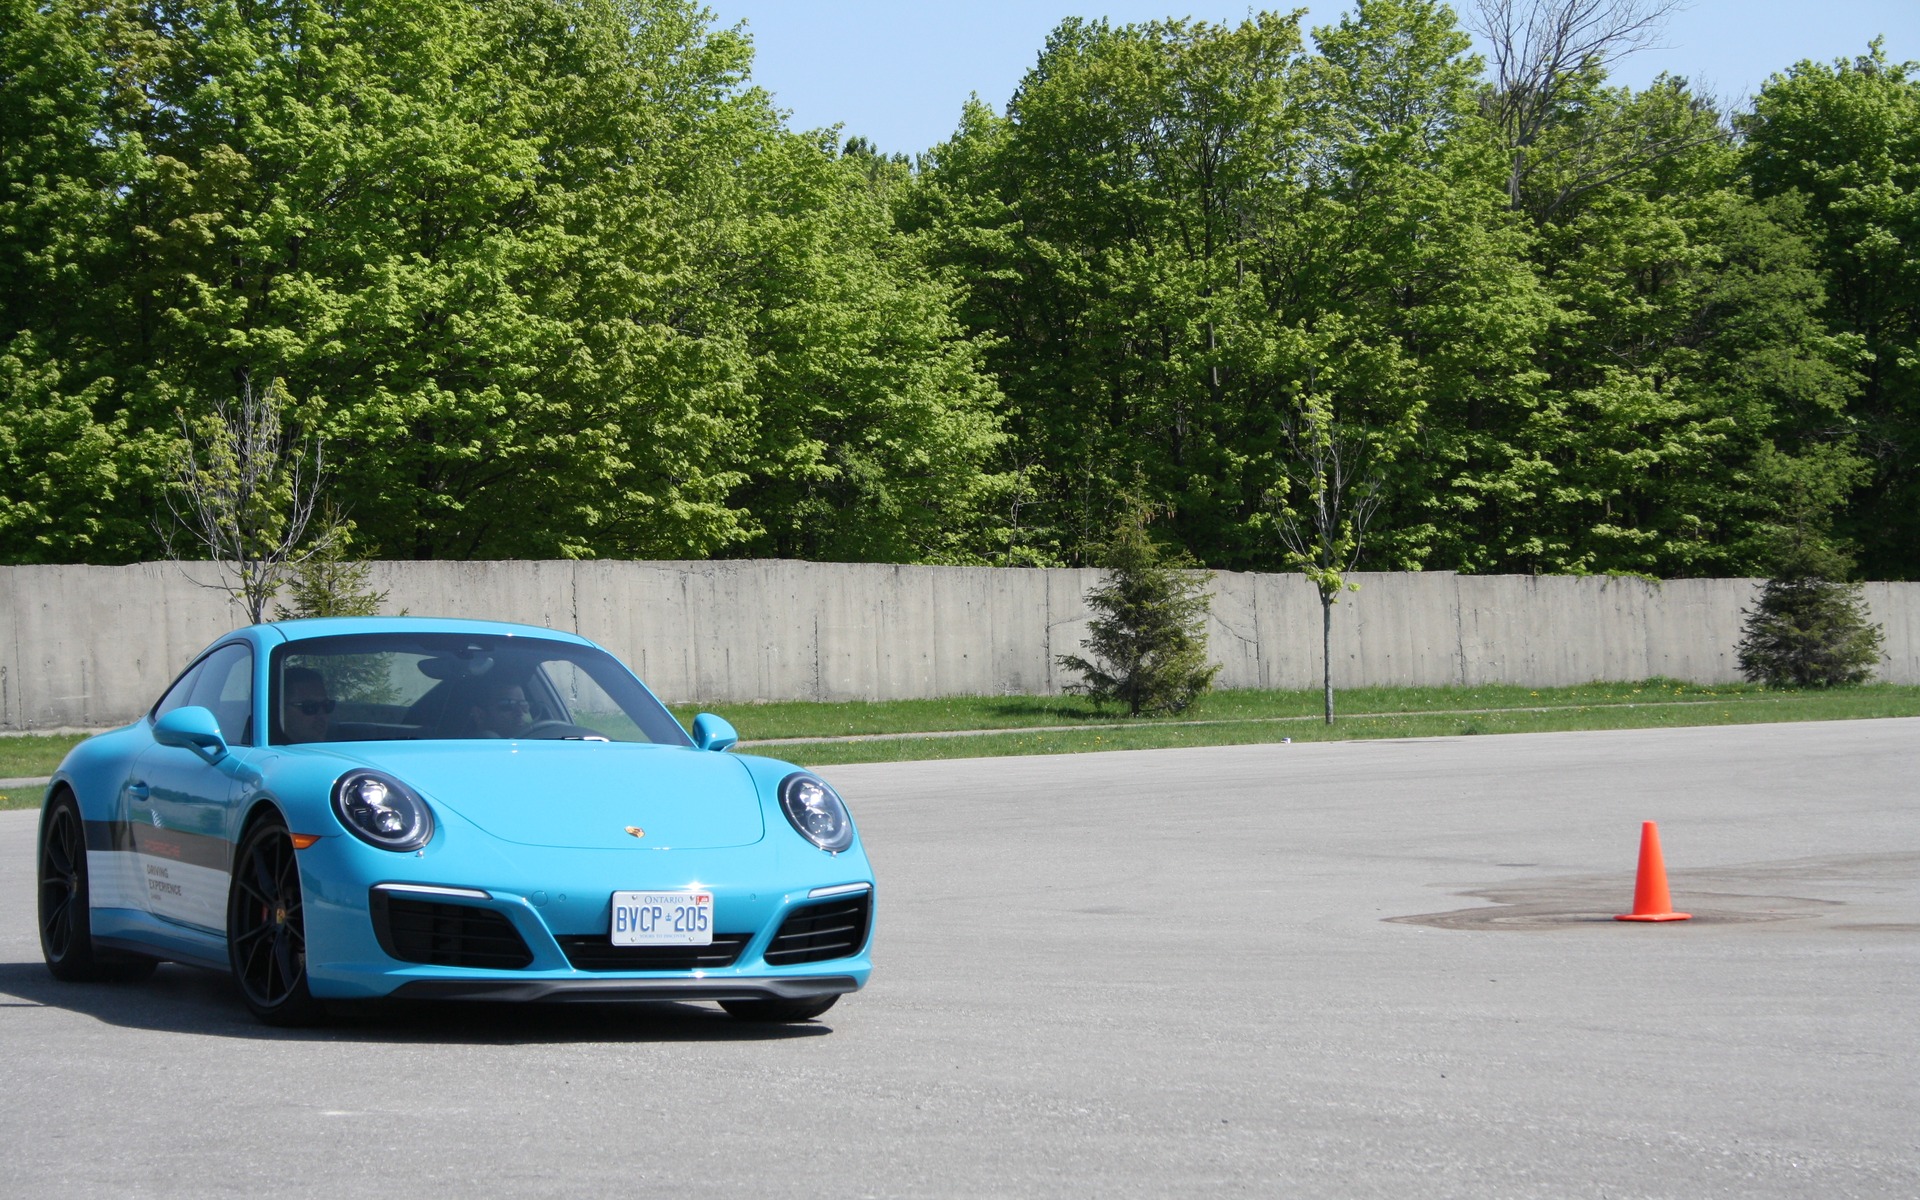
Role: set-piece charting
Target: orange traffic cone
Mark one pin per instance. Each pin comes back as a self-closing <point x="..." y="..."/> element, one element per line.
<point x="1650" y="899"/>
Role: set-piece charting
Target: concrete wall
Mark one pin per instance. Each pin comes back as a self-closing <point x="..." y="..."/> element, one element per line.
<point x="85" y="647"/>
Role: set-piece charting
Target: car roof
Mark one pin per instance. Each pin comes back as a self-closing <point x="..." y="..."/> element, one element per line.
<point x="318" y="627"/>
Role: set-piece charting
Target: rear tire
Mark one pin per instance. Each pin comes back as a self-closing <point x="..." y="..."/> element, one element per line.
<point x="778" y="1011"/>
<point x="266" y="928"/>
<point x="66" y="921"/>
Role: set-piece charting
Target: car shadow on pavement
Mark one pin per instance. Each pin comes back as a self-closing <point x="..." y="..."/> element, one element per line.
<point x="181" y="999"/>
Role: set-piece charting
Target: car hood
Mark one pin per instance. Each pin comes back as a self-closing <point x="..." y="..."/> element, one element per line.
<point x="584" y="795"/>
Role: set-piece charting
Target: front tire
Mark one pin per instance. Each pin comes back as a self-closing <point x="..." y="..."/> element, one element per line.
<point x="778" y="1011"/>
<point x="66" y="921"/>
<point x="266" y="928"/>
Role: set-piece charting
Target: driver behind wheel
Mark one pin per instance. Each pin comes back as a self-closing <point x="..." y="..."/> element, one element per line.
<point x="501" y="711"/>
<point x="306" y="711"/>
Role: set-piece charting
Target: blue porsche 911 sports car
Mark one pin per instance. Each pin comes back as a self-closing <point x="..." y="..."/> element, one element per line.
<point x="355" y="808"/>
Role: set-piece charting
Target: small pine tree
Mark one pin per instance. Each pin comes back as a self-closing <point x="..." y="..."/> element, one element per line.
<point x="1149" y="641"/>
<point x="329" y="582"/>
<point x="1807" y="628"/>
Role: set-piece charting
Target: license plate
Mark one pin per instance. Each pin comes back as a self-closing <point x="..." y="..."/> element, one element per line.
<point x="663" y="918"/>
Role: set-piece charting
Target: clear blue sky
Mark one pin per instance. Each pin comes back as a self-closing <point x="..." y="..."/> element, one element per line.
<point x="897" y="71"/>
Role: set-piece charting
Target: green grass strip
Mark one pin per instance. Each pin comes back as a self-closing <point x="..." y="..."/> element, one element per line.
<point x="766" y="722"/>
<point x="1006" y="725"/>
<point x="1652" y="715"/>
<point x="35" y="754"/>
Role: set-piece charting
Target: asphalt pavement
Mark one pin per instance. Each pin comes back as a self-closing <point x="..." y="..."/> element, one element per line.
<point x="1334" y="969"/>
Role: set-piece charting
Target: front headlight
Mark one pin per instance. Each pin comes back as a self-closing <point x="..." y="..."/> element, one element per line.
<point x="381" y="811"/>
<point x="816" y="812"/>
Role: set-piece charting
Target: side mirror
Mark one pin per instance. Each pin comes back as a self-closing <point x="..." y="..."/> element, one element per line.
<point x="713" y="733"/>
<point x="192" y="728"/>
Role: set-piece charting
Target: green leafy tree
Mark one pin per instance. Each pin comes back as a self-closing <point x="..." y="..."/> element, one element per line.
<point x="877" y="425"/>
<point x="1149" y="641"/>
<point x="1176" y="223"/>
<point x="77" y="477"/>
<point x="1094" y="229"/>
<point x="1396" y="288"/>
<point x="1685" y="347"/>
<point x="569" y="287"/>
<point x="561" y="275"/>
<point x="458" y="224"/>
<point x="1843" y="140"/>
<point x="59" y="460"/>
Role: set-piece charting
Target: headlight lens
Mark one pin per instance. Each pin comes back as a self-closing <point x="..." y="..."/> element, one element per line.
<point x="381" y="811"/>
<point x="817" y="813"/>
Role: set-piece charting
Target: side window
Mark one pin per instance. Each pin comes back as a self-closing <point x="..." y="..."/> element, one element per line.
<point x="178" y="694"/>
<point x="225" y="688"/>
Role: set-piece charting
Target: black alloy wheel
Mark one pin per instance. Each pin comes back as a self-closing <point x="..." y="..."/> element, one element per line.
<point x="66" y="927"/>
<point x="780" y="1011"/>
<point x="266" y="930"/>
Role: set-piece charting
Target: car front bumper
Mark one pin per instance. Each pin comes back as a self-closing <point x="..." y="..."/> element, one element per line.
<point x="556" y="902"/>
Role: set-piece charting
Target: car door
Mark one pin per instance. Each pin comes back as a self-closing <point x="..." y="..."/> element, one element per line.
<point x="178" y="802"/>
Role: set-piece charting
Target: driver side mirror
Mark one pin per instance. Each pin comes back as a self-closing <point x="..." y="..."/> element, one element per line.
<point x="192" y="728"/>
<point x="713" y="733"/>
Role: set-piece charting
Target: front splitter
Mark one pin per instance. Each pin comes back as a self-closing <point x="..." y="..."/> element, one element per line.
<point x="603" y="991"/>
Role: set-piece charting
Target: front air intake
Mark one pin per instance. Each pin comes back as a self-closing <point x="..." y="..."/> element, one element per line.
<point x="446" y="935"/>
<point x="816" y="932"/>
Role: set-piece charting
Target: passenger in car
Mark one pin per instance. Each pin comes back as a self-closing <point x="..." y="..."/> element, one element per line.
<point x="306" y="711"/>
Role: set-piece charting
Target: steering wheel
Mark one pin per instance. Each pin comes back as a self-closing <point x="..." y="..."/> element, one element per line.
<point x="553" y="729"/>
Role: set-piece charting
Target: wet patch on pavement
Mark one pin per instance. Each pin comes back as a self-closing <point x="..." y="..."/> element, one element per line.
<point x="1714" y="896"/>
<point x="1514" y="909"/>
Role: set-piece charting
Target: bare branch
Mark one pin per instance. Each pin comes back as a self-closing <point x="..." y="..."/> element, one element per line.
<point x="1537" y="43"/>
<point x="1543" y="51"/>
<point x="244" y="496"/>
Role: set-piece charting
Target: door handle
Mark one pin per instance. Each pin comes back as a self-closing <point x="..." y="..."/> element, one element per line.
<point x="138" y="791"/>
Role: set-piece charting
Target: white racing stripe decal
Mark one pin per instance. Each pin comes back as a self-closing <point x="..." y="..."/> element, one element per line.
<point x="163" y="886"/>
<point x="113" y="880"/>
<point x="183" y="892"/>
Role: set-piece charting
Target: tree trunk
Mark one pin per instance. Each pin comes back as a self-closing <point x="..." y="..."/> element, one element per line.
<point x="1326" y="652"/>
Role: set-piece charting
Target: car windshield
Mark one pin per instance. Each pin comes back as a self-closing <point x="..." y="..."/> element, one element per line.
<point x="428" y="686"/>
